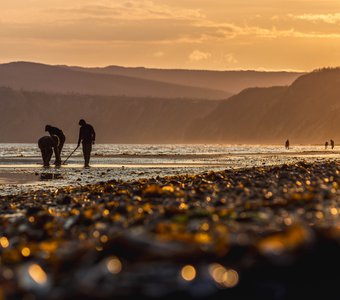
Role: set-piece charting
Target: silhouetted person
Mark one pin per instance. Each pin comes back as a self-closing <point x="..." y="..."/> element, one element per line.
<point x="59" y="133"/>
<point x="47" y="144"/>
<point x="332" y="144"/>
<point x="87" y="137"/>
<point x="326" y="145"/>
<point x="287" y="144"/>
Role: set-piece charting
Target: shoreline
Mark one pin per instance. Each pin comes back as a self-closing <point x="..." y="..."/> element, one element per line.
<point x="263" y="226"/>
<point x="186" y="156"/>
<point x="10" y="167"/>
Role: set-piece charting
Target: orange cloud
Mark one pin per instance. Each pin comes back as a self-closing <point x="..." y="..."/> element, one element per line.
<point x="209" y="34"/>
<point x="198" y="55"/>
<point x="327" y="18"/>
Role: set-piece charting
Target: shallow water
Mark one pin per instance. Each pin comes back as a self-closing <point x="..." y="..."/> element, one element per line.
<point x="31" y="150"/>
<point x="21" y="165"/>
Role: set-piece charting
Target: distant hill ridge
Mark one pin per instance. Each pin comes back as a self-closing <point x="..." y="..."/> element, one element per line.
<point x="56" y="79"/>
<point x="229" y="81"/>
<point x="307" y="111"/>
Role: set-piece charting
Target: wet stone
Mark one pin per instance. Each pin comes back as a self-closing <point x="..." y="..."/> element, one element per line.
<point x="235" y="234"/>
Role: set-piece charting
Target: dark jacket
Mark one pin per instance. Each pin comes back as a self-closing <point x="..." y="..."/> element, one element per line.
<point x="48" y="142"/>
<point x="56" y="131"/>
<point x="86" y="134"/>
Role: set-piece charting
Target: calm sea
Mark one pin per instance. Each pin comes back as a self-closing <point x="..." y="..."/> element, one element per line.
<point x="117" y="153"/>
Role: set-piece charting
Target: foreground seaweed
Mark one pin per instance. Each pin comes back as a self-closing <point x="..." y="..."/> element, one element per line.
<point x="264" y="233"/>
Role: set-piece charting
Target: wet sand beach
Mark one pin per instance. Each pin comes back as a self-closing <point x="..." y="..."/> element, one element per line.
<point x="21" y="169"/>
<point x="266" y="232"/>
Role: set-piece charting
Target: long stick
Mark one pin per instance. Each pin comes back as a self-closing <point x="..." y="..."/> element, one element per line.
<point x="70" y="155"/>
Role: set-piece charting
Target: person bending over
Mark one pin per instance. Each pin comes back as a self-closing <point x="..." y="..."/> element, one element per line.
<point x="48" y="144"/>
<point x="59" y="133"/>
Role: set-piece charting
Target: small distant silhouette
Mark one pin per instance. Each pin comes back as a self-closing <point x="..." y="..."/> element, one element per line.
<point x="87" y="137"/>
<point x="287" y="144"/>
<point x="48" y="144"/>
<point x="326" y="144"/>
<point x="59" y="133"/>
<point x="332" y="144"/>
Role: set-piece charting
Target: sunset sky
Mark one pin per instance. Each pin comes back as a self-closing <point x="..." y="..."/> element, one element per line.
<point x="197" y="34"/>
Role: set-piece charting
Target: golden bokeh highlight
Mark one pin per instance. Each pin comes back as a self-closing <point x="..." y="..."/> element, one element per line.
<point x="4" y="242"/>
<point x="227" y="278"/>
<point x="25" y="251"/>
<point x="106" y="212"/>
<point x="114" y="265"/>
<point x="104" y="238"/>
<point x="230" y="278"/>
<point x="37" y="274"/>
<point x="188" y="273"/>
<point x="334" y="211"/>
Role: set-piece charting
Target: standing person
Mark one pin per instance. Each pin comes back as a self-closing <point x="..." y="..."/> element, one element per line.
<point x="326" y="144"/>
<point x="287" y="144"/>
<point x="332" y="144"/>
<point x="87" y="137"/>
<point x="48" y="144"/>
<point x="59" y="133"/>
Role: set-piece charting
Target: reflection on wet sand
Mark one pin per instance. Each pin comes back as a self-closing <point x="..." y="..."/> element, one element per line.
<point x="50" y="176"/>
<point x="23" y="174"/>
<point x="11" y="177"/>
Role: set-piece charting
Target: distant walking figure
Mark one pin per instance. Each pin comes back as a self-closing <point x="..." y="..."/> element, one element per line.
<point x="59" y="133"/>
<point x="87" y="137"/>
<point x="326" y="145"/>
<point x="287" y="144"/>
<point x="332" y="144"/>
<point x="48" y="144"/>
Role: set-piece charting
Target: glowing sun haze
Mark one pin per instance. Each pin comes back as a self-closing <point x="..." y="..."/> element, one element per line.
<point x="195" y="34"/>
